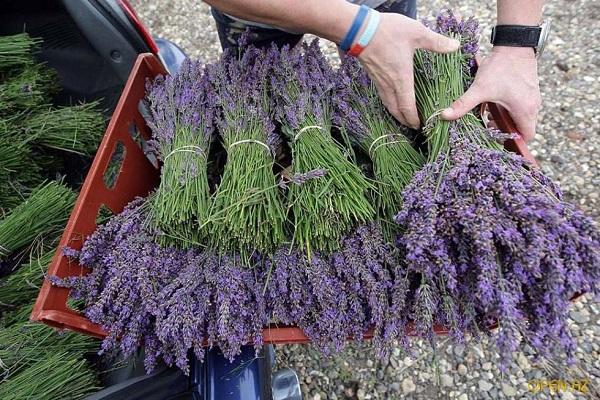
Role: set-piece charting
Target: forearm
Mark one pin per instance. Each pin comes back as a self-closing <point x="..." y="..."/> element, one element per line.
<point x="329" y="19"/>
<point x="519" y="12"/>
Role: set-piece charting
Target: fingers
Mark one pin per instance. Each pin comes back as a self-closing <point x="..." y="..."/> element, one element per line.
<point x="468" y="101"/>
<point x="406" y="101"/>
<point x="525" y="124"/>
<point x="430" y="40"/>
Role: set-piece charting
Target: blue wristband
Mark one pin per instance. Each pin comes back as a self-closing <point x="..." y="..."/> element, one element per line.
<point x="353" y="31"/>
<point x="370" y="29"/>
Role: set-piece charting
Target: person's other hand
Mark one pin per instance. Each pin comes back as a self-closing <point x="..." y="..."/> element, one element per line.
<point x="389" y="61"/>
<point x="508" y="76"/>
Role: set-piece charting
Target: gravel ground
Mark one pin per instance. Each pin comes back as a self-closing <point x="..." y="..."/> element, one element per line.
<point x="568" y="148"/>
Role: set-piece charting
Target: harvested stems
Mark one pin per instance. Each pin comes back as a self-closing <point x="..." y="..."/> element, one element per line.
<point x="47" y="209"/>
<point x="247" y="207"/>
<point x="360" y="112"/>
<point x="182" y="109"/>
<point x="31" y="88"/>
<point x="23" y="285"/>
<point x="17" y="50"/>
<point x="326" y="208"/>
<point x="76" y="129"/>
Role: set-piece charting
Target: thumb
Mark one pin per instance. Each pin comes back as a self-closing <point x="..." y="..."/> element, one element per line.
<point x="436" y="42"/>
<point x="468" y="101"/>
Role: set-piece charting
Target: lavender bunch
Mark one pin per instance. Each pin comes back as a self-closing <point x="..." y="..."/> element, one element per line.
<point x="489" y="236"/>
<point x="323" y="209"/>
<point x="338" y="296"/>
<point x="127" y="270"/>
<point x="169" y="300"/>
<point x="360" y="112"/>
<point x="17" y="51"/>
<point x="247" y="212"/>
<point x="214" y="301"/>
<point x="182" y="121"/>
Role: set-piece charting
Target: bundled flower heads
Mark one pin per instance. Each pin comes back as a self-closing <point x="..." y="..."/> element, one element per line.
<point x="171" y="300"/>
<point x="175" y="301"/>
<point x="322" y="209"/>
<point x="487" y="234"/>
<point x="248" y="209"/>
<point x="182" y="123"/>
<point x="360" y="111"/>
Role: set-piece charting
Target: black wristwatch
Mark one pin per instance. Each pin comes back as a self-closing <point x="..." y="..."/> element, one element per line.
<point x="522" y="36"/>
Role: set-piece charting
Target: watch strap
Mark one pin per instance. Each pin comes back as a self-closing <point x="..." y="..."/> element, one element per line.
<point x="516" y="35"/>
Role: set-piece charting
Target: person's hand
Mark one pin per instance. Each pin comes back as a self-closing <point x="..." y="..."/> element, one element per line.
<point x="508" y="76"/>
<point x="389" y="61"/>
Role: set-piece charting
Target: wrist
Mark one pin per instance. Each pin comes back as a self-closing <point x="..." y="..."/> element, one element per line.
<point x="332" y="20"/>
<point x="512" y="51"/>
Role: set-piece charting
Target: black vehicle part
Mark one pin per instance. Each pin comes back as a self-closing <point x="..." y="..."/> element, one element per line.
<point x="165" y="384"/>
<point x="91" y="43"/>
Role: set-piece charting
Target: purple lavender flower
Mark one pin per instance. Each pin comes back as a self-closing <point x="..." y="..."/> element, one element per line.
<point x="484" y="232"/>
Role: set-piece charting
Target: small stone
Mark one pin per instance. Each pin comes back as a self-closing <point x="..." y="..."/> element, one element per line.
<point x="486" y="366"/>
<point x="575" y="135"/>
<point x="463" y="396"/>
<point x="562" y="65"/>
<point x="349" y="392"/>
<point x="581" y="317"/>
<point x="462" y="369"/>
<point x="508" y="390"/>
<point x="523" y="362"/>
<point x="395" y="387"/>
<point x="317" y="397"/>
<point x="567" y="396"/>
<point x="459" y="350"/>
<point x="369" y="364"/>
<point x="360" y="394"/>
<point x="446" y="380"/>
<point x="408" y="386"/>
<point x="485" y="386"/>
<point x="478" y="351"/>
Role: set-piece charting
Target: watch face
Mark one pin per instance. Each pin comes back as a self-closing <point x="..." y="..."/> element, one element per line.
<point x="543" y="37"/>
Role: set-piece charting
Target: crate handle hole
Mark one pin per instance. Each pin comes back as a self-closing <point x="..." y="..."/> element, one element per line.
<point x="140" y="140"/>
<point x="113" y="169"/>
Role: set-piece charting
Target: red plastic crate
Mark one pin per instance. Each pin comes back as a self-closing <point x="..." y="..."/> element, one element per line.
<point x="137" y="177"/>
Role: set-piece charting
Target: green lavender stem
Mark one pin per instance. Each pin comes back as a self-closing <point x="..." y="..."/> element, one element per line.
<point x="181" y="203"/>
<point x="324" y="209"/>
<point x="77" y="129"/>
<point x="16" y="50"/>
<point x="247" y="206"/>
<point x="47" y="209"/>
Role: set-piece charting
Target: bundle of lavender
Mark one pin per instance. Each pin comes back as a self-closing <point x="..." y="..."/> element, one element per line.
<point x="182" y="122"/>
<point x="75" y="129"/>
<point x="487" y="232"/>
<point x="338" y="296"/>
<point x="247" y="212"/>
<point x="169" y="300"/>
<point x="328" y="206"/>
<point x="361" y="113"/>
<point x="176" y="301"/>
<point x="16" y="51"/>
<point x="27" y="89"/>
